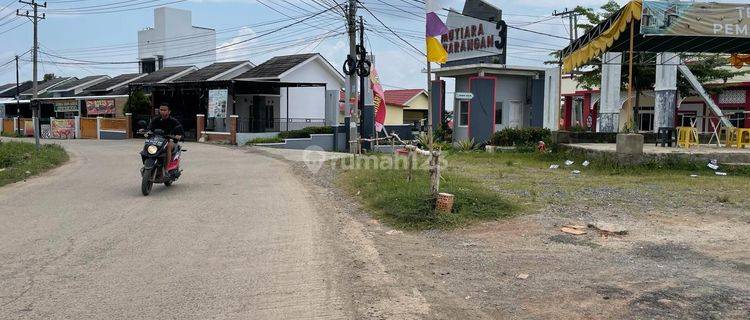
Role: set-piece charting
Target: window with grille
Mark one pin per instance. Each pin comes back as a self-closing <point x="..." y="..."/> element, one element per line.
<point x="463" y="117"/>
<point x="732" y="97"/>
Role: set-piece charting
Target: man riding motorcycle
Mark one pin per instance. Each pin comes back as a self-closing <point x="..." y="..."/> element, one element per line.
<point x="170" y="126"/>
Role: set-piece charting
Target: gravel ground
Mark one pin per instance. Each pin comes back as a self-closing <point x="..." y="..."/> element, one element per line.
<point x="673" y="264"/>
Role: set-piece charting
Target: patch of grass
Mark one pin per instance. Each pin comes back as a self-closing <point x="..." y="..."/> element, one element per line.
<point x="661" y="186"/>
<point x="265" y="140"/>
<point x="17" y="158"/>
<point x="407" y="205"/>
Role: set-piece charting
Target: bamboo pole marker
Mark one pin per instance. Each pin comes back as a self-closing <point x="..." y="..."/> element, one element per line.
<point x="629" y="111"/>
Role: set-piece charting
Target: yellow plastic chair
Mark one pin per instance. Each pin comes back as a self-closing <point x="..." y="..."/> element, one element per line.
<point x="731" y="135"/>
<point x="687" y="137"/>
<point x="741" y="141"/>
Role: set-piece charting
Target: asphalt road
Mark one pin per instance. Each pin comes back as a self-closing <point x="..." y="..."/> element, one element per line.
<point x="237" y="237"/>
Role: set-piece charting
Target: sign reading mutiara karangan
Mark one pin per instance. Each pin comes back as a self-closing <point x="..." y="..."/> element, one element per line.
<point x="469" y="37"/>
<point x="675" y="18"/>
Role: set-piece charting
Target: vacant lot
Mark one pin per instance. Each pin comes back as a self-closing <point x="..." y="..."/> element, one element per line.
<point x="686" y="253"/>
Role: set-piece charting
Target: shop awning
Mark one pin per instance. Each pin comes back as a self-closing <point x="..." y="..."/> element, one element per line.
<point x="612" y="35"/>
<point x="602" y="37"/>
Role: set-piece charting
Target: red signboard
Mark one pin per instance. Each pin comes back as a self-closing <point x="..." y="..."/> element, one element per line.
<point x="100" y="107"/>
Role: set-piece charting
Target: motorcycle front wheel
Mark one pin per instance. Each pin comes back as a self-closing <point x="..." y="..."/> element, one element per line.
<point x="146" y="182"/>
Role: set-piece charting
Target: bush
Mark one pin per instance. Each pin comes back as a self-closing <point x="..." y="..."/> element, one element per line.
<point x="265" y="140"/>
<point x="520" y="137"/>
<point x="305" y="133"/>
<point x="466" y="145"/>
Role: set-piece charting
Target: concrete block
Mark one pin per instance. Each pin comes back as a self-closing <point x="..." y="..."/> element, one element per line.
<point x="629" y="148"/>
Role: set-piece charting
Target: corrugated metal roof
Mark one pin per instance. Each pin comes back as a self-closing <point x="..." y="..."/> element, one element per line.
<point x="211" y="71"/>
<point x="276" y="66"/>
<point x="48" y="84"/>
<point x="104" y="85"/>
<point x="76" y="83"/>
<point x="400" y="97"/>
<point x="162" y="74"/>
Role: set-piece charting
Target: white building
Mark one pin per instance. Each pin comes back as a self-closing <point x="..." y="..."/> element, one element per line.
<point x="174" y="41"/>
<point x="294" y="108"/>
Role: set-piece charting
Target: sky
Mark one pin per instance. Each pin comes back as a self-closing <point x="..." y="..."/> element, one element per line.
<point x="86" y="33"/>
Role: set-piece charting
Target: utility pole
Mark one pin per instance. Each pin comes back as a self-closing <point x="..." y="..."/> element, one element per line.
<point x="18" y="94"/>
<point x="35" y="18"/>
<point x="572" y="16"/>
<point x="350" y="67"/>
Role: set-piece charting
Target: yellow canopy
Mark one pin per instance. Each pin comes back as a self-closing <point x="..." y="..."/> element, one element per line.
<point x="604" y="41"/>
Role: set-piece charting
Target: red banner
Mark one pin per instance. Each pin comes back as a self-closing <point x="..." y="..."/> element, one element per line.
<point x="378" y="100"/>
<point x="98" y="107"/>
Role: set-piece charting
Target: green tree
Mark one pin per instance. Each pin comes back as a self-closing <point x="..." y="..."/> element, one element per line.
<point x="138" y="104"/>
<point x="48" y="76"/>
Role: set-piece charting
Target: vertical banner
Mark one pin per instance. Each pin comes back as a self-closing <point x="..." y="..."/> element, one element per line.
<point x="378" y="99"/>
<point x="28" y="128"/>
<point x="100" y="107"/>
<point x="217" y="103"/>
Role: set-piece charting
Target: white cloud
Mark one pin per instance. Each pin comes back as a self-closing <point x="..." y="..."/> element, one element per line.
<point x="235" y="49"/>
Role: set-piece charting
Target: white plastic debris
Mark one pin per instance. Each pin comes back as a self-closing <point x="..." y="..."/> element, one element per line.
<point x="693" y="175"/>
<point x="586" y="163"/>
<point x="569" y="162"/>
<point x="721" y="173"/>
<point x="713" y="166"/>
<point x="576" y="172"/>
<point x="554" y="166"/>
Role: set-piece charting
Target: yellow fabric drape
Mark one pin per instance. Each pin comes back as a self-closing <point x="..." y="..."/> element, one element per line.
<point x="739" y="60"/>
<point x="435" y="51"/>
<point x="604" y="41"/>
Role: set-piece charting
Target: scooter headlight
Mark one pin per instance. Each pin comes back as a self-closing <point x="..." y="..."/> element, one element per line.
<point x="152" y="149"/>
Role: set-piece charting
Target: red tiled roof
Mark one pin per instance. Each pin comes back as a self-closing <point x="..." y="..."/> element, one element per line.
<point x="400" y="97"/>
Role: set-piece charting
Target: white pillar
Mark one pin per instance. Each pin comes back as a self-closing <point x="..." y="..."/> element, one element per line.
<point x="15" y="124"/>
<point x="2" y="123"/>
<point x="665" y="89"/>
<point x="552" y="99"/>
<point x="77" y="122"/>
<point x="98" y="128"/>
<point x="609" y="110"/>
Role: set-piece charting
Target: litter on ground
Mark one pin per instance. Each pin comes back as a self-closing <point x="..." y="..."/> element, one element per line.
<point x="573" y="231"/>
<point x="569" y="162"/>
<point x="554" y="166"/>
<point x="586" y="163"/>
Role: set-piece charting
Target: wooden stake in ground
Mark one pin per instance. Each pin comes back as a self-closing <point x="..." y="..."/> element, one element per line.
<point x="629" y="111"/>
<point x="410" y="165"/>
<point x="434" y="163"/>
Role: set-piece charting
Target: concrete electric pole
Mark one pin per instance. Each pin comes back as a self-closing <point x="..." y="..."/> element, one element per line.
<point x="35" y="18"/>
<point x="351" y="80"/>
<point x="18" y="93"/>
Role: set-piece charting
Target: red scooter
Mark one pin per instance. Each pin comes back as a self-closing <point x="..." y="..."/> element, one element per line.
<point x="155" y="167"/>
